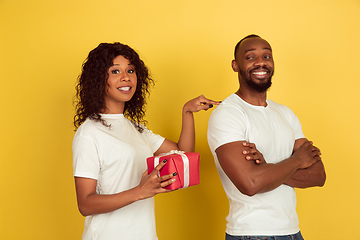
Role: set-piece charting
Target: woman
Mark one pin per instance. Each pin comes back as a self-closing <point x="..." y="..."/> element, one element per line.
<point x="111" y="145"/>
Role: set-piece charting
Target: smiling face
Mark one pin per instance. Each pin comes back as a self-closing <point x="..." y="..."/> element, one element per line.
<point x="121" y="85"/>
<point x="254" y="63"/>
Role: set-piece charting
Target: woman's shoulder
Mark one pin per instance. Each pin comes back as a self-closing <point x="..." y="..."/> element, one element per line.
<point x="88" y="127"/>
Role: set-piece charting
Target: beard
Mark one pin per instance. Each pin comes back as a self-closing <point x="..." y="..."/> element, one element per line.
<point x="258" y="87"/>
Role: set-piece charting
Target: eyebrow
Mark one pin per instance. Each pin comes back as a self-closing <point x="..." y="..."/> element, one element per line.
<point x="253" y="49"/>
<point x="119" y="64"/>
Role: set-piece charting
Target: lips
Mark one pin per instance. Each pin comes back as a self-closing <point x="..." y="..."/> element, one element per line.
<point x="124" y="88"/>
<point x="260" y="72"/>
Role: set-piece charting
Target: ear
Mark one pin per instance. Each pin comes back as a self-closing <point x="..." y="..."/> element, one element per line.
<point x="234" y="66"/>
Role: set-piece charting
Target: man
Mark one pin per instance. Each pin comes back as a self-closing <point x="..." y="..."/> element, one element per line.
<point x="261" y="193"/>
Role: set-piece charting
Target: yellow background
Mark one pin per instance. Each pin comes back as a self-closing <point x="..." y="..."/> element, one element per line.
<point x="188" y="46"/>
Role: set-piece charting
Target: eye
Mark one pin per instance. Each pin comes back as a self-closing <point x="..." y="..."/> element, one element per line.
<point x="131" y="70"/>
<point x="250" y="57"/>
<point x="267" y="56"/>
<point x="115" y="71"/>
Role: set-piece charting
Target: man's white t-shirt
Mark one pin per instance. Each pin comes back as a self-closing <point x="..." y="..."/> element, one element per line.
<point x="273" y="129"/>
<point x="116" y="158"/>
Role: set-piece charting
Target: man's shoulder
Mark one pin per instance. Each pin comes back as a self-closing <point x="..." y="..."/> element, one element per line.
<point x="231" y="102"/>
<point x="229" y="112"/>
<point x="278" y="105"/>
<point x="284" y="110"/>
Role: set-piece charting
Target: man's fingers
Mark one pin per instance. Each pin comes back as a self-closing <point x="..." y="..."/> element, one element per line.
<point x="250" y="145"/>
<point x="317" y="150"/>
<point x="250" y="151"/>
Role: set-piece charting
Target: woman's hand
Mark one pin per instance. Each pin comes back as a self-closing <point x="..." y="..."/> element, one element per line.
<point x="187" y="136"/>
<point x="90" y="203"/>
<point x="252" y="154"/>
<point x="198" y="104"/>
<point x="151" y="184"/>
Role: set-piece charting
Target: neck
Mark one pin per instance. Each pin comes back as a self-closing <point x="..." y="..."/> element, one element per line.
<point x="113" y="108"/>
<point x="111" y="111"/>
<point x="252" y="97"/>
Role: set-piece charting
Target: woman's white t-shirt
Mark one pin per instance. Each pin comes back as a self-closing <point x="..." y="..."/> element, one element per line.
<point x="116" y="158"/>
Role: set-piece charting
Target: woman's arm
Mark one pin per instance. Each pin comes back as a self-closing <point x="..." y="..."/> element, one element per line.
<point x="187" y="136"/>
<point x="89" y="202"/>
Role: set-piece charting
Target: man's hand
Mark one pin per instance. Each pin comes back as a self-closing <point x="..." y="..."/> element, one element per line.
<point x="307" y="154"/>
<point x="252" y="154"/>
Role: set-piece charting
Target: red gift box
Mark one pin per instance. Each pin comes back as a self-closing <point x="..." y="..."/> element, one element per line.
<point x="185" y="164"/>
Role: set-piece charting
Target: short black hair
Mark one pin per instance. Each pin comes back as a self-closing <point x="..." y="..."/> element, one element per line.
<point x="238" y="44"/>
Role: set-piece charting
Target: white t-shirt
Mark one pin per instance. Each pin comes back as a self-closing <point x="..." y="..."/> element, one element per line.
<point x="116" y="158"/>
<point x="273" y="129"/>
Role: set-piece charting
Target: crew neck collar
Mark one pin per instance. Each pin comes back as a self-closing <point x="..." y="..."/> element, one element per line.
<point x="255" y="106"/>
<point x="112" y="116"/>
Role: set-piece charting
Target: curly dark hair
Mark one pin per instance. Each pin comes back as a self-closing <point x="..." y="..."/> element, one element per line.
<point x="91" y="85"/>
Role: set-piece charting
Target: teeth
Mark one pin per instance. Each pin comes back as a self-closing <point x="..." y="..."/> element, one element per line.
<point x="124" y="88"/>
<point x="260" y="73"/>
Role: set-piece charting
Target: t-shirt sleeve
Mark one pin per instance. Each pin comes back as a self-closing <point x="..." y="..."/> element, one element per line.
<point x="155" y="140"/>
<point x="86" y="162"/>
<point x="226" y="125"/>
<point x="295" y="124"/>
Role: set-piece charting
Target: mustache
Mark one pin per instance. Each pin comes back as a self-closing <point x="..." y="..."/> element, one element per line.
<point x="259" y="67"/>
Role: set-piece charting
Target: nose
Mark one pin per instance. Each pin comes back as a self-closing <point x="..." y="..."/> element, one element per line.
<point x="124" y="77"/>
<point x="260" y="62"/>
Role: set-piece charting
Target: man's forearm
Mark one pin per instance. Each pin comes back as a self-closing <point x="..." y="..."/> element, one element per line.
<point x="309" y="177"/>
